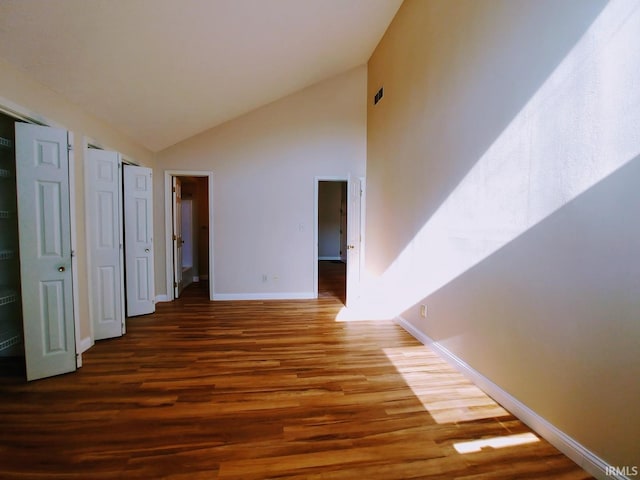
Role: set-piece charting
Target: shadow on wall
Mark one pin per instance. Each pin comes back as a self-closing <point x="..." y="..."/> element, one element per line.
<point x="565" y="295"/>
<point x="457" y="100"/>
<point x="575" y="130"/>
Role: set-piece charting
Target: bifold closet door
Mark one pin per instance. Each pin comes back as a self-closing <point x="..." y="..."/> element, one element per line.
<point x="104" y="226"/>
<point x="42" y="176"/>
<point x="138" y="237"/>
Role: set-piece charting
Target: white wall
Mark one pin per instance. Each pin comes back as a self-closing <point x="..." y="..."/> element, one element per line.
<point x="502" y="192"/>
<point x="264" y="165"/>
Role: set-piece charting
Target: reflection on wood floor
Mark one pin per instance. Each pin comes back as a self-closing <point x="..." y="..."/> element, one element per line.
<point x="253" y="390"/>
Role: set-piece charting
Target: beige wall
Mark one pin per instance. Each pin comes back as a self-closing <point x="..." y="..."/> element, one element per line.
<point x="502" y="186"/>
<point x="264" y="166"/>
<point x="19" y="92"/>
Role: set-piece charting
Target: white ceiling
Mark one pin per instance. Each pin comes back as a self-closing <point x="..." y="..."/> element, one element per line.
<point x="164" y="70"/>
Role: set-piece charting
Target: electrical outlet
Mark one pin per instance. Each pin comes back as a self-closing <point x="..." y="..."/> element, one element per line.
<point x="423" y="311"/>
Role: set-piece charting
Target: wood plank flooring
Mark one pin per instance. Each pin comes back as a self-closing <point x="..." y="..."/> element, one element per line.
<point x="255" y="390"/>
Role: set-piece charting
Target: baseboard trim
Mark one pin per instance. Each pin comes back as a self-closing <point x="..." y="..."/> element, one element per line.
<point x="563" y="442"/>
<point x="162" y="298"/>
<point x="330" y="258"/>
<point x="264" y="296"/>
<point x="85" y="344"/>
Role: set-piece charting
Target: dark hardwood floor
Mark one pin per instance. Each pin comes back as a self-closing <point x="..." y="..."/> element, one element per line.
<point x="254" y="390"/>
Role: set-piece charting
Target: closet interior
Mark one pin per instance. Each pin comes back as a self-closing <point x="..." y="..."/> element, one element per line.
<point x="11" y="344"/>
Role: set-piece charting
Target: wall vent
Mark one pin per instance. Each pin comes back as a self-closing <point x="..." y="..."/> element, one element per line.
<point x="378" y="96"/>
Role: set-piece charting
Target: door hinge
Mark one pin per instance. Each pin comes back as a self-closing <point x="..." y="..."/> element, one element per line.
<point x="173" y="189"/>
<point x="175" y="238"/>
<point x="175" y="285"/>
<point x="69" y="147"/>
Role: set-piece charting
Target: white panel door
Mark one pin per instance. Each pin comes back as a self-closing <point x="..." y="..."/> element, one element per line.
<point x="177" y="237"/>
<point x="138" y="238"/>
<point x="104" y="226"/>
<point x="354" y="197"/>
<point x="42" y="172"/>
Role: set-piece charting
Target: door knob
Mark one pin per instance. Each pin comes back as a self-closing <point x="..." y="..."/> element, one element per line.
<point x="146" y="250"/>
<point x="61" y="269"/>
<point x="350" y="247"/>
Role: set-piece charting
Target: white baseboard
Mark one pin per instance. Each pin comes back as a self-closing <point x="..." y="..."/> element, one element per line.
<point x="330" y="258"/>
<point x="162" y="298"/>
<point x="563" y="442"/>
<point x="264" y="296"/>
<point x="85" y="344"/>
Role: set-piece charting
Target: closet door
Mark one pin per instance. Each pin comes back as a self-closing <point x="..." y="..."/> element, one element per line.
<point x="104" y="227"/>
<point x="42" y="174"/>
<point x="138" y="232"/>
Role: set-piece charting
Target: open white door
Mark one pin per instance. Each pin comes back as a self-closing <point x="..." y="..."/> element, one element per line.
<point x="354" y="240"/>
<point x="104" y="226"/>
<point x="42" y="172"/>
<point x="177" y="237"/>
<point x="138" y="231"/>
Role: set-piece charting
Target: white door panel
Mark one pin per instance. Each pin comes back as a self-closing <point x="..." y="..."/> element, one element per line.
<point x="177" y="237"/>
<point x="138" y="228"/>
<point x="354" y="196"/>
<point x="42" y="170"/>
<point x="104" y="225"/>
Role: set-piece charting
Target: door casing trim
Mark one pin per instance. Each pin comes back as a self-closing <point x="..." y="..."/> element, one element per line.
<point x="168" y="228"/>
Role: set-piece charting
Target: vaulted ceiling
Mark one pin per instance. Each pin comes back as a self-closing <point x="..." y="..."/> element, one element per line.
<point x="161" y="71"/>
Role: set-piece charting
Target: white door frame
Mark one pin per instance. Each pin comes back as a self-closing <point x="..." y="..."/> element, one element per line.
<point x="347" y="179"/>
<point x="316" y="204"/>
<point x="168" y="225"/>
<point x="20" y="112"/>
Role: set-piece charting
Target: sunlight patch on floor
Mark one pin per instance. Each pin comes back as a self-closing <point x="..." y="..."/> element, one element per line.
<point x="444" y="392"/>
<point x="474" y="446"/>
<point x="362" y="313"/>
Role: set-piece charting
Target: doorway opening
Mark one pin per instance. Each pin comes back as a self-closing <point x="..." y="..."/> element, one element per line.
<point x="332" y="220"/>
<point x="189" y="230"/>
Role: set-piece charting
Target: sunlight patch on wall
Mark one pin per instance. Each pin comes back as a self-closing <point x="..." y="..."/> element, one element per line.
<point x="580" y="126"/>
